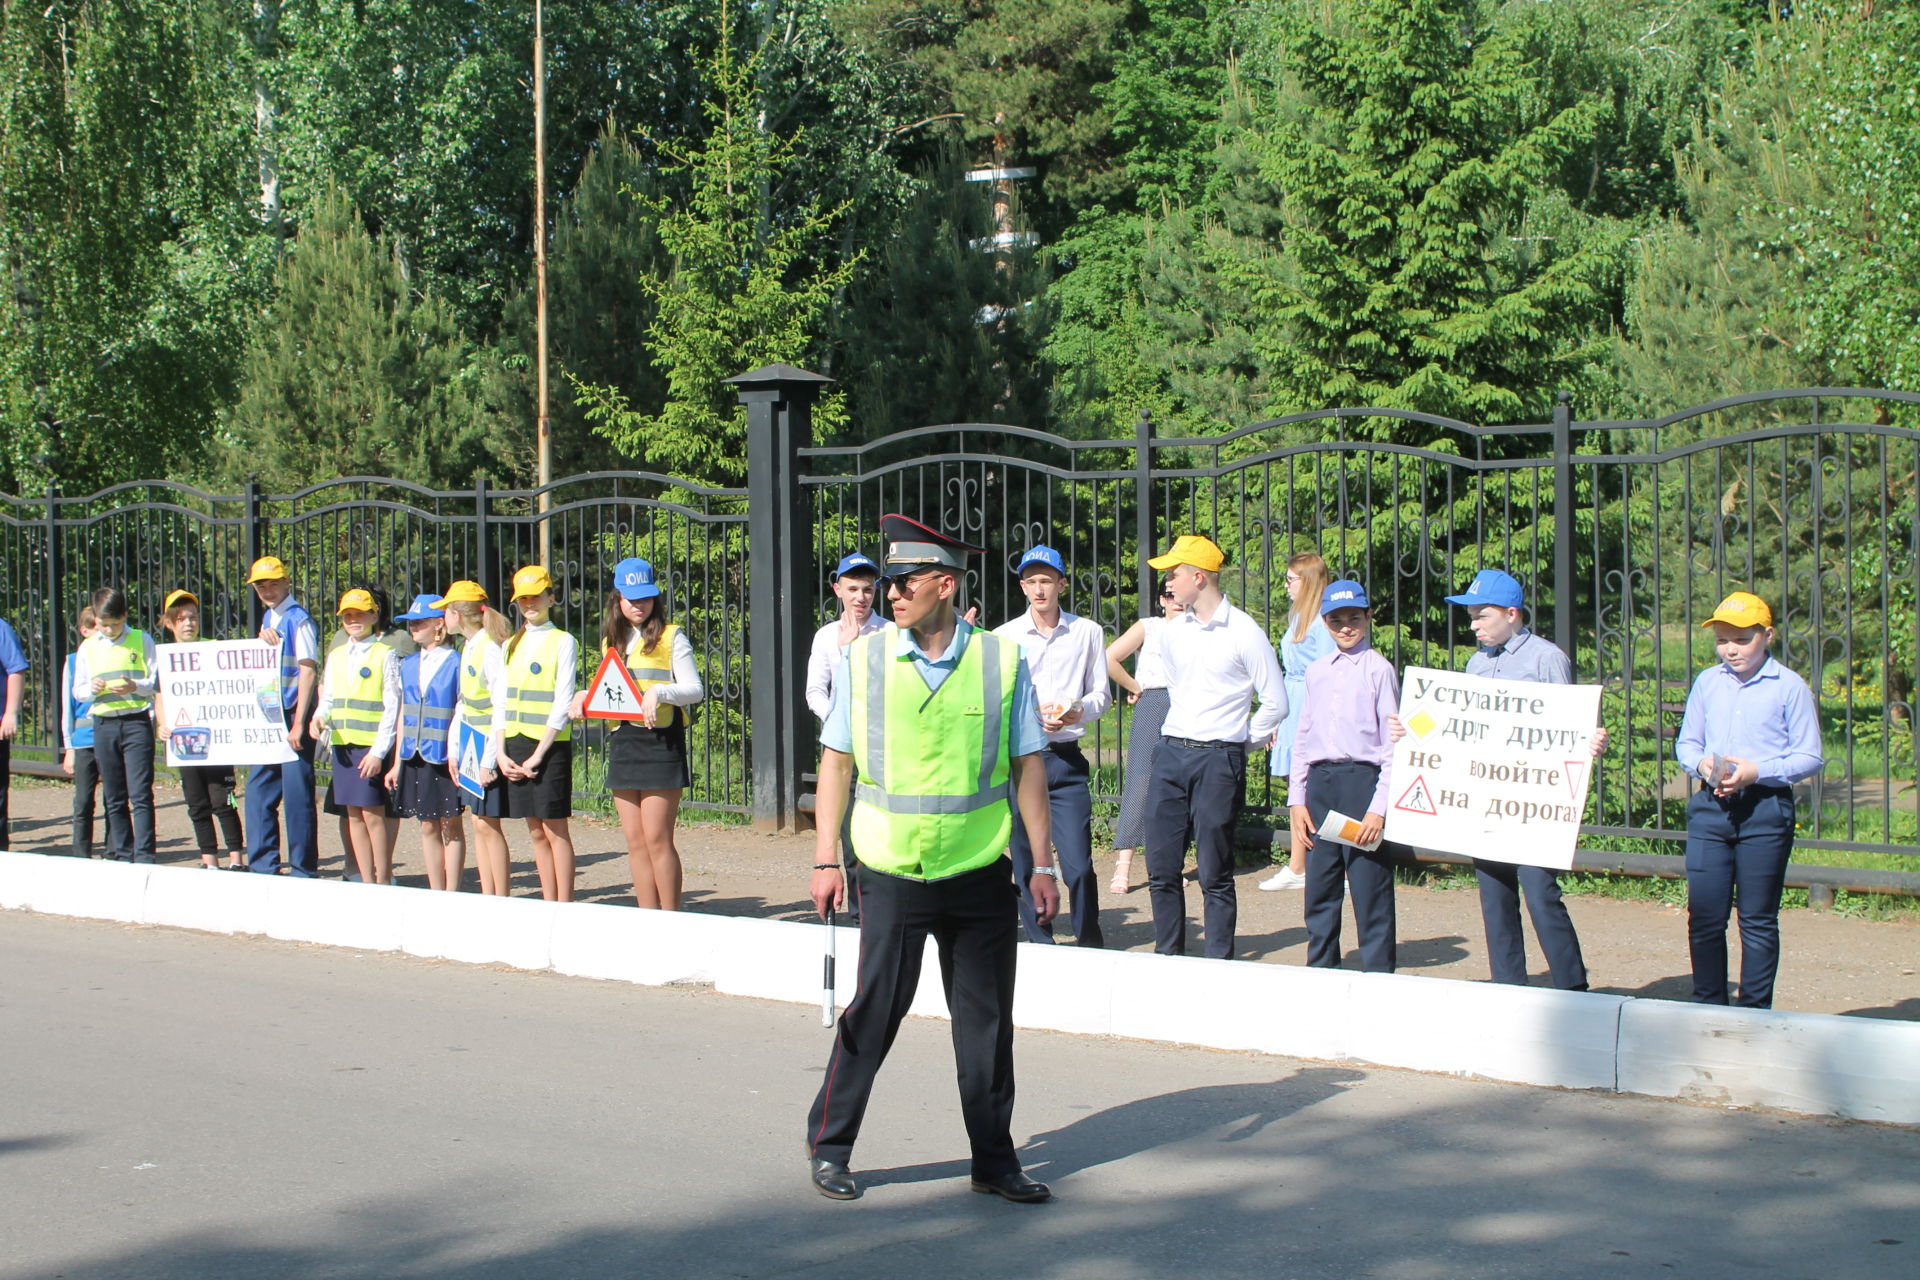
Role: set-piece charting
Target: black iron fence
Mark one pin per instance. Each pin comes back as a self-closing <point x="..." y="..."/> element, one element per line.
<point x="1625" y="532"/>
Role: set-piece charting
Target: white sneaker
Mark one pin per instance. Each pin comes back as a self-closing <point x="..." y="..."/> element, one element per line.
<point x="1284" y="878"/>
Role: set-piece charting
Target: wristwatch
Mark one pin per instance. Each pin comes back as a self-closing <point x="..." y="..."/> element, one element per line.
<point x="1047" y="871"/>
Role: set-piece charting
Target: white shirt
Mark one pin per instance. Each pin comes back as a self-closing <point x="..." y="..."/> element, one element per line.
<point x="824" y="659"/>
<point x="1214" y="669"/>
<point x="686" y="688"/>
<point x="356" y="650"/>
<point x="1067" y="666"/>
<point x="1150" y="664"/>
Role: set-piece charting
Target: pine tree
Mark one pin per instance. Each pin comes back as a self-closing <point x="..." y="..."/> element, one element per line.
<point x="355" y="372"/>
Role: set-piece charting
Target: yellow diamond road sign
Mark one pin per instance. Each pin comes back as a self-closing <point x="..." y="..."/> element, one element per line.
<point x="1422" y="724"/>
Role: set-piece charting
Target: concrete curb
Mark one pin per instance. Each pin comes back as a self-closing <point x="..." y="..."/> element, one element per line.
<point x="1814" y="1064"/>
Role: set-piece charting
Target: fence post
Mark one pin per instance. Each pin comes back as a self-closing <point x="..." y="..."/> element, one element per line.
<point x="53" y="689"/>
<point x="1143" y="511"/>
<point x="482" y="552"/>
<point x="1563" y="525"/>
<point x="779" y="402"/>
<point x="256" y="542"/>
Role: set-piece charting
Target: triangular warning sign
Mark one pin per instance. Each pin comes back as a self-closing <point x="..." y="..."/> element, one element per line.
<point x="1576" y="776"/>
<point x="613" y="694"/>
<point x="470" y="758"/>
<point x="1416" y="800"/>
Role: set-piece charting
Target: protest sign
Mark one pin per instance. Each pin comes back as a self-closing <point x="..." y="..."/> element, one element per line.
<point x="469" y="750"/>
<point x="221" y="703"/>
<point x="1494" y="769"/>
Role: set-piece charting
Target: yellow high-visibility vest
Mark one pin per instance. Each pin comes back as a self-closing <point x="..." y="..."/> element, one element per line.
<point x="356" y="687"/>
<point x="649" y="669"/>
<point x="114" y="660"/>
<point x="533" y="672"/>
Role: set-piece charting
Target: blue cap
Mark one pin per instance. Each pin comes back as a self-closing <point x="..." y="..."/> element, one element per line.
<point x="854" y="561"/>
<point x="422" y="609"/>
<point x="633" y="578"/>
<point x="1490" y="586"/>
<point x="1344" y="593"/>
<point x="1042" y="555"/>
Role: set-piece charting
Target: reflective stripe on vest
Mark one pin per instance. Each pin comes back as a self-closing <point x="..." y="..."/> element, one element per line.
<point x="931" y="769"/>
<point x="290" y="624"/>
<point x="476" y="695"/>
<point x="356" y="687"/>
<point x="121" y="659"/>
<point x="655" y="668"/>
<point x="530" y="691"/>
<point x="426" y="715"/>
<point x="79" y="709"/>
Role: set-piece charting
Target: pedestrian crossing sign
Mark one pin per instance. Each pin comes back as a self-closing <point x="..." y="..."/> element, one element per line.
<point x="613" y="695"/>
<point x="1415" y="798"/>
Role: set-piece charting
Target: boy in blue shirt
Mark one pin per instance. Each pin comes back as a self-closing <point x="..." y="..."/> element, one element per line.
<point x="14" y="663"/>
<point x="1751" y="730"/>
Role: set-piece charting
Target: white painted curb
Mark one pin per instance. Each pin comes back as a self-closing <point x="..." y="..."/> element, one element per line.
<point x="1815" y="1064"/>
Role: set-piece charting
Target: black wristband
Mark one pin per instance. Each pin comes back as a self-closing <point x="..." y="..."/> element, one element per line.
<point x="826" y="866"/>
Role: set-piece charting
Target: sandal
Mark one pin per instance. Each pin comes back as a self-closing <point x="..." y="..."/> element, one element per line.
<point x="1121" y="871"/>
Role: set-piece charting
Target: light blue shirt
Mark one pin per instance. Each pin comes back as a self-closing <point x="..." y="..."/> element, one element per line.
<point x="1028" y="738"/>
<point x="1525" y="656"/>
<point x="1770" y="720"/>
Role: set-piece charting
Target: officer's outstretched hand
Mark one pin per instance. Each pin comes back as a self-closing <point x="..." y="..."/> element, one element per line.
<point x="1045" y="891"/>
<point x="828" y="887"/>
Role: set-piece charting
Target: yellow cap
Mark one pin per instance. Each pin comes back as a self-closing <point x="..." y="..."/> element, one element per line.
<point x="1191" y="548"/>
<point x="533" y="580"/>
<point x="267" y="567"/>
<point x="357" y="599"/>
<point x="461" y="591"/>
<point x="1742" y="609"/>
<point x="182" y="596"/>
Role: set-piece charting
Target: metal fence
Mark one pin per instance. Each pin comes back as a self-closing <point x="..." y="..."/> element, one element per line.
<point x="1625" y="532"/>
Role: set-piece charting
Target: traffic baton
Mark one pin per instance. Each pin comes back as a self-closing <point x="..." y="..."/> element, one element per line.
<point x="826" y="990"/>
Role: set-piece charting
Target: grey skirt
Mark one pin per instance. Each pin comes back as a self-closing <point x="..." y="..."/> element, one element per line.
<point x="1143" y="735"/>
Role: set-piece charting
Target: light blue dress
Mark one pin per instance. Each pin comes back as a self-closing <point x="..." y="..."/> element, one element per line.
<point x="1295" y="657"/>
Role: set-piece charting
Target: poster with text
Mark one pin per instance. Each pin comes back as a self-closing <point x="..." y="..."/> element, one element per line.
<point x="220" y="703"/>
<point x="1492" y="768"/>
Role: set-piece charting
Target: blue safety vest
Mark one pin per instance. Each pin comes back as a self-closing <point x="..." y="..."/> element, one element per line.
<point x="81" y="710"/>
<point x="290" y="623"/>
<point x="426" y="716"/>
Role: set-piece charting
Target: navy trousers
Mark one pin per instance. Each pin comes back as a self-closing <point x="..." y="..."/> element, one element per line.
<point x="971" y="919"/>
<point x="1197" y="790"/>
<point x="272" y="788"/>
<point x="1737" y="850"/>
<point x="86" y="789"/>
<point x="1070" y="813"/>
<point x="1500" y="886"/>
<point x="1347" y="785"/>
<point x="123" y="752"/>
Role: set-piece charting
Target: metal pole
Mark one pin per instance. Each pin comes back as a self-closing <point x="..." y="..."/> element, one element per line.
<point x="544" y="425"/>
<point x="1143" y="509"/>
<point x="1563" y="527"/>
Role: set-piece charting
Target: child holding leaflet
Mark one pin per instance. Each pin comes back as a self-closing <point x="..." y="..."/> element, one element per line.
<point x="116" y="667"/>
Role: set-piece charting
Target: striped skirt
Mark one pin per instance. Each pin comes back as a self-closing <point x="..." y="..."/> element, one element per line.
<point x="1143" y="736"/>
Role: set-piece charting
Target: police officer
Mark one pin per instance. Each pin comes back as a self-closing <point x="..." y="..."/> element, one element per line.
<point x="937" y="723"/>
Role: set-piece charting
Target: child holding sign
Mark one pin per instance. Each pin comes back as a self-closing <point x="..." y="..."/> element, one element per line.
<point x="1751" y="731"/>
<point x="417" y="779"/>
<point x="483" y="707"/>
<point x="1341" y="761"/>
<point x="208" y="788"/>
<point x="647" y="758"/>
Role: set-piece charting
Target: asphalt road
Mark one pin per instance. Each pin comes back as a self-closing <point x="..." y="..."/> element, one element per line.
<point x="183" y="1105"/>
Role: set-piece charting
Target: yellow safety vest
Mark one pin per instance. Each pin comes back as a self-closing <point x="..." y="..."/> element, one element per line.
<point x="656" y="667"/>
<point x="122" y="659"/>
<point x="356" y="687"/>
<point x="930" y="790"/>
<point x="476" y="696"/>
<point x="533" y="673"/>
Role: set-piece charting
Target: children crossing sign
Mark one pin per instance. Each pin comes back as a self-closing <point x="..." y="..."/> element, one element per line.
<point x="613" y="695"/>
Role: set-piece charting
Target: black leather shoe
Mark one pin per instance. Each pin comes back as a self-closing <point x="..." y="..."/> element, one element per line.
<point x="831" y="1179"/>
<point x="1015" y="1186"/>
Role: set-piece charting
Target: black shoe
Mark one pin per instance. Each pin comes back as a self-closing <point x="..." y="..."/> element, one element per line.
<point x="1015" y="1186"/>
<point x="831" y="1179"/>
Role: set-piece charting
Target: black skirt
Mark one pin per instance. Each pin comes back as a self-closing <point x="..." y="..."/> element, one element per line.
<point x="425" y="790"/>
<point x="549" y="793"/>
<point x="643" y="759"/>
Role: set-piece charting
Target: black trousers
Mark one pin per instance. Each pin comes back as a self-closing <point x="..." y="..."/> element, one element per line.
<point x="1500" y="886"/>
<point x="1347" y="785"/>
<point x="1197" y="790"/>
<point x="209" y="792"/>
<point x="86" y="786"/>
<point x="972" y="920"/>
<point x="123" y="750"/>
<point x="1070" y="814"/>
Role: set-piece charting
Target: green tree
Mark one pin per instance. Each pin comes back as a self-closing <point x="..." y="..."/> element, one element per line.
<point x="749" y="283"/>
<point x="356" y="372"/>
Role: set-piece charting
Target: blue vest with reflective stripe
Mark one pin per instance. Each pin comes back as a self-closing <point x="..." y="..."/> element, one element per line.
<point x="81" y="709"/>
<point x="291" y="623"/>
<point x="426" y="716"/>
